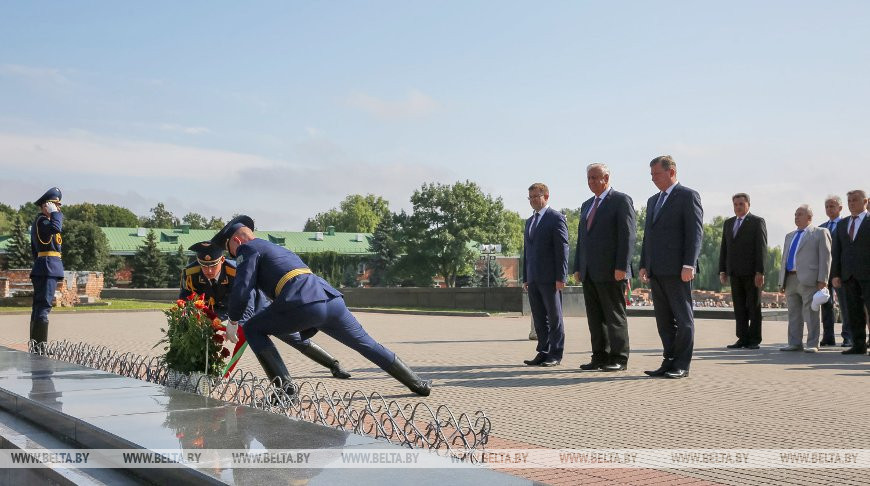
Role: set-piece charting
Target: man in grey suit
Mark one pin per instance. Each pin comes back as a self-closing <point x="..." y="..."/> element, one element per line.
<point x="605" y="241"/>
<point x="669" y="260"/>
<point x="851" y="268"/>
<point x="545" y="269"/>
<point x="741" y="259"/>
<point x="833" y="208"/>
<point x="806" y="264"/>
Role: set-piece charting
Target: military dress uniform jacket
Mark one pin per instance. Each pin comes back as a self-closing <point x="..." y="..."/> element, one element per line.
<point x="277" y="272"/>
<point x="217" y="296"/>
<point x="45" y="244"/>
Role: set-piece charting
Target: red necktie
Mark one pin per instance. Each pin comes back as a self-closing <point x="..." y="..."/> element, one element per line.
<point x="592" y="213"/>
<point x="852" y="228"/>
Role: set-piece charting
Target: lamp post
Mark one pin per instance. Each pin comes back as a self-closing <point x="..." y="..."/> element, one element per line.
<point x="487" y="254"/>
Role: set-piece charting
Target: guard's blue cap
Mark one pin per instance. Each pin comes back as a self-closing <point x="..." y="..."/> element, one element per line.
<point x="51" y="195"/>
<point x="222" y="238"/>
<point x="207" y="253"/>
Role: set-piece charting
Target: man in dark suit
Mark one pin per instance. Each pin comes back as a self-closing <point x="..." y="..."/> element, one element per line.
<point x="851" y="267"/>
<point x="669" y="260"/>
<point x="605" y="240"/>
<point x="545" y="269"/>
<point x="741" y="259"/>
<point x="833" y="207"/>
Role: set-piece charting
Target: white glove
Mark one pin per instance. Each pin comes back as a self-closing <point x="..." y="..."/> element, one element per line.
<point x="51" y="207"/>
<point x="233" y="331"/>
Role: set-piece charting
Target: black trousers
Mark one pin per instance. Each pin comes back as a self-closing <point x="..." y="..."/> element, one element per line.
<point x="858" y="300"/>
<point x="828" y="316"/>
<point x="672" y="304"/>
<point x="608" y="325"/>
<point x="747" y="308"/>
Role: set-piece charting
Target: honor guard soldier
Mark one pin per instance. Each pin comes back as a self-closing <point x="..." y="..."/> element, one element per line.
<point x="213" y="275"/>
<point x="301" y="302"/>
<point x="45" y="243"/>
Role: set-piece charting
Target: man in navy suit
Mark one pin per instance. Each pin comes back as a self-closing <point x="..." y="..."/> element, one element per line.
<point x="605" y="241"/>
<point x="833" y="208"/>
<point x="301" y="302"/>
<point x="851" y="267"/>
<point x="668" y="261"/>
<point x="545" y="269"/>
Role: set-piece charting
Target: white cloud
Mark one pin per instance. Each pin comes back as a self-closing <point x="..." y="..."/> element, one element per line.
<point x="85" y="153"/>
<point x="172" y="127"/>
<point x="33" y="73"/>
<point x="415" y="104"/>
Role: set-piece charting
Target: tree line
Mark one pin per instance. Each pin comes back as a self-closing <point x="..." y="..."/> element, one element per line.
<point x="438" y="237"/>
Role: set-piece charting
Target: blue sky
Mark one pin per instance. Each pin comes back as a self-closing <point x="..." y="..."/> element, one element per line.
<point x="281" y="109"/>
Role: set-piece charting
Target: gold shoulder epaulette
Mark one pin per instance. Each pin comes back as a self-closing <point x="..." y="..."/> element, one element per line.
<point x="192" y="270"/>
<point x="231" y="271"/>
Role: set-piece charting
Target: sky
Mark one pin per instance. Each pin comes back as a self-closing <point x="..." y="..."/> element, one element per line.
<point x="281" y="109"/>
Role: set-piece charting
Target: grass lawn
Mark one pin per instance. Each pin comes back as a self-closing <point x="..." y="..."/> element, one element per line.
<point x="114" y="305"/>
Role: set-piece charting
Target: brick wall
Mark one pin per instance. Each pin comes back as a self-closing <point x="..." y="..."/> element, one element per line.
<point x="70" y="290"/>
<point x="4" y="287"/>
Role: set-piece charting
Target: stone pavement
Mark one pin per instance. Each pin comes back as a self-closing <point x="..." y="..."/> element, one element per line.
<point x="762" y="399"/>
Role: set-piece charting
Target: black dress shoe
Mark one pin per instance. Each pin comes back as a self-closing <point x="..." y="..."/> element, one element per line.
<point x="825" y="344"/>
<point x="592" y="367"/>
<point x="550" y="362"/>
<point x="854" y="350"/>
<point x="677" y="374"/>
<point x="615" y="367"/>
<point x="534" y="362"/>
<point x="752" y="346"/>
<point x="658" y="372"/>
<point x="739" y="344"/>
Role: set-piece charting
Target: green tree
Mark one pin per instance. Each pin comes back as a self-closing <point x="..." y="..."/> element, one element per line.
<point x="84" y="212"/>
<point x="160" y="218"/>
<point x="175" y="263"/>
<point x="215" y="223"/>
<point x="322" y="221"/>
<point x="490" y="274"/>
<point x="195" y="220"/>
<point x="103" y="215"/>
<point x="18" y="252"/>
<point x="572" y="217"/>
<point x="149" y="265"/>
<point x="7" y="218"/>
<point x="110" y="271"/>
<point x="772" y="267"/>
<point x="638" y="247"/>
<point x="387" y="245"/>
<point x="85" y="246"/>
<point x="445" y="221"/>
<point x="357" y="214"/>
<point x="111" y="216"/>
<point x="708" y="260"/>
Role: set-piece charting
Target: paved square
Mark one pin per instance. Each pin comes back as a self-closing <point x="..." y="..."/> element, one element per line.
<point x="764" y="399"/>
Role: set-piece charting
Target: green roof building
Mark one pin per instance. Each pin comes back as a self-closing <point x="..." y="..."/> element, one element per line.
<point x="125" y="241"/>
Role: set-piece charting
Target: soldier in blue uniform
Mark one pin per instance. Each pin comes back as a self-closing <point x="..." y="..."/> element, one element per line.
<point x="45" y="243"/>
<point x="211" y="274"/>
<point x="301" y="302"/>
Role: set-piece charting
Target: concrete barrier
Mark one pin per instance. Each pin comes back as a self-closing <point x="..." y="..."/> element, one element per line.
<point x="156" y="295"/>
<point x="496" y="299"/>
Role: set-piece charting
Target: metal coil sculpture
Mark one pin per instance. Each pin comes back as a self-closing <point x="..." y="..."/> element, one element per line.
<point x="413" y="426"/>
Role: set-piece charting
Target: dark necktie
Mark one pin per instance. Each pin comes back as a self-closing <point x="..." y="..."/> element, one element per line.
<point x="534" y="223"/>
<point x="852" y="228"/>
<point x="737" y="226"/>
<point x="592" y="213"/>
<point x="659" y="204"/>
